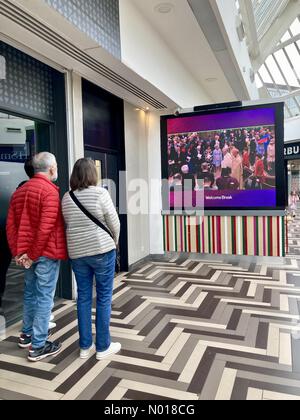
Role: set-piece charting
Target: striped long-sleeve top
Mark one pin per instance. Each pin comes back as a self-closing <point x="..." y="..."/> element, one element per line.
<point x="84" y="237"/>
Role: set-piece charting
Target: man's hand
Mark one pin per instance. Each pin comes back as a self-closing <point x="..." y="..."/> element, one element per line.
<point x="24" y="261"/>
<point x="18" y="259"/>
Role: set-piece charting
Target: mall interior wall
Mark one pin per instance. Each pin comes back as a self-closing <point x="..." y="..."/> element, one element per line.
<point x="154" y="168"/>
<point x="136" y="122"/>
<point x="143" y="48"/>
<point x="143" y="163"/>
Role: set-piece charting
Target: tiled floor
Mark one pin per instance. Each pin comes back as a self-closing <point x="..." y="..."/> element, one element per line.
<point x="198" y="328"/>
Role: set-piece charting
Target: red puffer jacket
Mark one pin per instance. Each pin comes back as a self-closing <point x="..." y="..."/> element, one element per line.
<point x="35" y="224"/>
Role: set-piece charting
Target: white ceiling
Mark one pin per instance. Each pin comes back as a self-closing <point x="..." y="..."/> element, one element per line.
<point x="182" y="33"/>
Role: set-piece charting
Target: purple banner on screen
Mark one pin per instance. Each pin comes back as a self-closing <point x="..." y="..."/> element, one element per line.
<point x="222" y="121"/>
<point x="226" y="199"/>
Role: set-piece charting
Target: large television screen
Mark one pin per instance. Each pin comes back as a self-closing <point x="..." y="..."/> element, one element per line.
<point x="227" y="159"/>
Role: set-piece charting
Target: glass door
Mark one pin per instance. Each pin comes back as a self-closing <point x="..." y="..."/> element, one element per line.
<point x="20" y="139"/>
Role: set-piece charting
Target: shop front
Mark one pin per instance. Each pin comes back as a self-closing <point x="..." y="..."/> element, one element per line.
<point x="32" y="119"/>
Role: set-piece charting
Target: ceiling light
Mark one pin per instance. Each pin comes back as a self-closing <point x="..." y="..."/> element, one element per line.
<point x="164" y="8"/>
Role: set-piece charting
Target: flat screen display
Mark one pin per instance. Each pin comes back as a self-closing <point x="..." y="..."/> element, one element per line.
<point x="233" y="157"/>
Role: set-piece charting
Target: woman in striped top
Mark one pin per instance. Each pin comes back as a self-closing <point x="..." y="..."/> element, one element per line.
<point x="93" y="254"/>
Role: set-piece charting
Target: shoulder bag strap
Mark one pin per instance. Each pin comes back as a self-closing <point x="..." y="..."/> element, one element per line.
<point x="89" y="215"/>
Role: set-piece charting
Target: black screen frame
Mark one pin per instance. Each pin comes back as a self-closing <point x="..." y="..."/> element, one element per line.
<point x="279" y="133"/>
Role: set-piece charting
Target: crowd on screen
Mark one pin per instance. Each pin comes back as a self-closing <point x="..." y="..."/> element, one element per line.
<point x="237" y="159"/>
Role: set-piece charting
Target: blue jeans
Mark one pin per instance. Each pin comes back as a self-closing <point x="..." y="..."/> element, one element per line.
<point x="40" y="285"/>
<point x="102" y="267"/>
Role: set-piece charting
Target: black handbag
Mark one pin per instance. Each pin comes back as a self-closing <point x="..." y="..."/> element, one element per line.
<point x="101" y="225"/>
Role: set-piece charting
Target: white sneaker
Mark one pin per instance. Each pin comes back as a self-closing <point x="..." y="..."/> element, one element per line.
<point x="52" y="325"/>
<point x="52" y="318"/>
<point x="85" y="354"/>
<point x="113" y="349"/>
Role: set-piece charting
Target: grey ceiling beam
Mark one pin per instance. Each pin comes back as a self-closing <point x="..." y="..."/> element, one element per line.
<point x="248" y="18"/>
<point x="209" y="24"/>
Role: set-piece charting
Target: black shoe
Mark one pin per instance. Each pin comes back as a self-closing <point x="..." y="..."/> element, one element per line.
<point x="25" y="340"/>
<point x="50" y="349"/>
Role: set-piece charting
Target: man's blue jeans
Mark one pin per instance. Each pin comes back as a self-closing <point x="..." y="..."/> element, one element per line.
<point x="40" y="285"/>
<point x="102" y="267"/>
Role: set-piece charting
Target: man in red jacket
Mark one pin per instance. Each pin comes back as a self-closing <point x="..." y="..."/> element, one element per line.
<point x="36" y="236"/>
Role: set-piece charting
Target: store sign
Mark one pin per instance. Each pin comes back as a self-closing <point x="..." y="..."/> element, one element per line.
<point x="13" y="154"/>
<point x="2" y="68"/>
<point x="292" y="150"/>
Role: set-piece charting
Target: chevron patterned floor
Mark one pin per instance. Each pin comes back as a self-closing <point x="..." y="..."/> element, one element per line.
<point x="192" y="328"/>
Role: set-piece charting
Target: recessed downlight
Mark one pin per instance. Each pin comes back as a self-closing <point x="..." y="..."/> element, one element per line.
<point x="164" y="8"/>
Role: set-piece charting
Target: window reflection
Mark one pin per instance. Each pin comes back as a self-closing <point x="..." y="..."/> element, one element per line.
<point x="17" y="145"/>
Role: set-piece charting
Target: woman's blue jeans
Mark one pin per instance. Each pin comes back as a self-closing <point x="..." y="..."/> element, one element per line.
<point x="102" y="267"/>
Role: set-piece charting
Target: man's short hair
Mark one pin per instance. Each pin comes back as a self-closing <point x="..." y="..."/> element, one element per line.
<point x="42" y="162"/>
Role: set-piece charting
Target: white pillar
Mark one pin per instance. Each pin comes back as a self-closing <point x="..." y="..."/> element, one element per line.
<point x="154" y="171"/>
<point x="75" y="117"/>
<point x="75" y="130"/>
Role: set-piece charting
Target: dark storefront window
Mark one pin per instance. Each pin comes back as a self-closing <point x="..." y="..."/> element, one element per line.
<point x="19" y="141"/>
